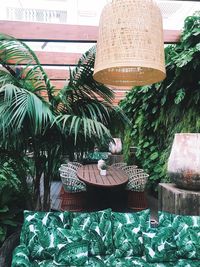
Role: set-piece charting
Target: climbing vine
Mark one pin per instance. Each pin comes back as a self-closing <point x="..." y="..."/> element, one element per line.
<point x="160" y="110"/>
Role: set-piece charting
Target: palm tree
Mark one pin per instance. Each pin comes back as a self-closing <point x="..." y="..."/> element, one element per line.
<point x="81" y="112"/>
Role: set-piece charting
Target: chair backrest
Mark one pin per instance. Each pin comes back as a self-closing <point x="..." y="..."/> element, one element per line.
<point x="137" y="182"/>
<point x="132" y="169"/>
<point x="67" y="170"/>
<point x="74" y="165"/>
<point x="119" y="165"/>
<point x="72" y="185"/>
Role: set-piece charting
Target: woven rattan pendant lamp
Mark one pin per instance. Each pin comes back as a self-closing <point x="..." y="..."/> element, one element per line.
<point x="130" y="47"/>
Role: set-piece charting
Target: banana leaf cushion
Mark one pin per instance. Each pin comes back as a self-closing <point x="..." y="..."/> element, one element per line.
<point x="131" y="261"/>
<point x="21" y="257"/>
<point x="127" y="232"/>
<point x="44" y="263"/>
<point x="187" y="263"/>
<point x="67" y="248"/>
<point x="96" y="261"/>
<point x="188" y="242"/>
<point x="166" y="219"/>
<point x="72" y="247"/>
<point x="48" y="219"/>
<point x="98" y="225"/>
<point x="160" y="245"/>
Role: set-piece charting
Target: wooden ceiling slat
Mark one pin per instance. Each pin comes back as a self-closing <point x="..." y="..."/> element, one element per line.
<point x="57" y="74"/>
<point x="48" y="31"/>
<point x="58" y="58"/>
<point x="55" y="58"/>
<point x="31" y="31"/>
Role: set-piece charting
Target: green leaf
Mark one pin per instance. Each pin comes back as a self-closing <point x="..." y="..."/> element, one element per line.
<point x="154" y="156"/>
<point x="180" y="94"/>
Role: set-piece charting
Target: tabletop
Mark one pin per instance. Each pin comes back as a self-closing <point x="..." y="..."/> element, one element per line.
<point x="91" y="175"/>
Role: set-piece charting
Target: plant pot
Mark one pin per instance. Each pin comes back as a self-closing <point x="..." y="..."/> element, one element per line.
<point x="103" y="172"/>
<point x="116" y="146"/>
<point x="184" y="161"/>
<point x="101" y="162"/>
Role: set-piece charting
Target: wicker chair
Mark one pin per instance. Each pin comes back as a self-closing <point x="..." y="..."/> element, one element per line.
<point x="71" y="184"/>
<point x="66" y="169"/>
<point x="74" y="165"/>
<point x="119" y="165"/>
<point x="137" y="182"/>
<point x="74" y="196"/>
<point x="136" y="191"/>
<point x="131" y="170"/>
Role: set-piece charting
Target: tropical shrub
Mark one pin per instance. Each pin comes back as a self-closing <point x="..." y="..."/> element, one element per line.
<point x="14" y="196"/>
<point x="50" y="126"/>
<point x="160" y="110"/>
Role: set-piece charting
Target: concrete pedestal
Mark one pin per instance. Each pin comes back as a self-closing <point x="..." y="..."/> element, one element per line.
<point x="178" y="201"/>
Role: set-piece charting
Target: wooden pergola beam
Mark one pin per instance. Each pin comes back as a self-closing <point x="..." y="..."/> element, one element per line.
<point x="54" y="59"/>
<point x="31" y="31"/>
<point x="57" y="74"/>
<point x="58" y="58"/>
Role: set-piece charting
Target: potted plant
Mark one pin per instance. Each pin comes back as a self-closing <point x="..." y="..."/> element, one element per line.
<point x="103" y="169"/>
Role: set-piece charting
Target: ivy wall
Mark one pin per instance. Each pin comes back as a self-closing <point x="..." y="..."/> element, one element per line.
<point x="160" y="110"/>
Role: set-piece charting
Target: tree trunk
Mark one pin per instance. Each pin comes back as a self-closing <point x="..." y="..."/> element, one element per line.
<point x="47" y="189"/>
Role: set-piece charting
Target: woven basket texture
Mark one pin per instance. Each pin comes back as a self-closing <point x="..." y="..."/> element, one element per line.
<point x="72" y="184"/>
<point x="137" y="182"/>
<point x="137" y="201"/>
<point x="64" y="168"/>
<point x="131" y="169"/>
<point x="73" y="201"/>
<point x="130" y="47"/>
<point x="74" y="165"/>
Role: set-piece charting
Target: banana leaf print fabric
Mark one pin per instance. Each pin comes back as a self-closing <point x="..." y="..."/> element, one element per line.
<point x="187" y="263"/>
<point x="166" y="219"/>
<point x="160" y="245"/>
<point x="98" y="225"/>
<point x="188" y="242"/>
<point x="127" y="232"/>
<point x="21" y="257"/>
<point x="72" y="247"/>
<point x="107" y="239"/>
<point x="187" y="236"/>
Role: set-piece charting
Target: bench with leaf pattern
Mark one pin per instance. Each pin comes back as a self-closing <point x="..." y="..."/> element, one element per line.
<point x="107" y="239"/>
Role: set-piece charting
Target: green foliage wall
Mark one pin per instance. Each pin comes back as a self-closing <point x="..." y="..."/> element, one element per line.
<point x="160" y="110"/>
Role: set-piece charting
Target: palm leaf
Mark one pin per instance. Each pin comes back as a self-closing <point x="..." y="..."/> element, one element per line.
<point x="14" y="53"/>
<point x="18" y="105"/>
<point x="74" y="125"/>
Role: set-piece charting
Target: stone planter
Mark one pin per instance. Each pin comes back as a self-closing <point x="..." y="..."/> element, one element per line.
<point x="184" y="161"/>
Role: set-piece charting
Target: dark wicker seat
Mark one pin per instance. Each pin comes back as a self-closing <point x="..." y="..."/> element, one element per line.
<point x="136" y="191"/>
<point x="74" y="196"/>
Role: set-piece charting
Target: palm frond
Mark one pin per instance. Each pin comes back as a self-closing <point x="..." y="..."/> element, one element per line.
<point x="81" y="82"/>
<point x="14" y="53"/>
<point x="75" y="125"/>
<point x="18" y="105"/>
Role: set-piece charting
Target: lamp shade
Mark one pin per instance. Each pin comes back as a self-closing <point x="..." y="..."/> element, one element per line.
<point x="130" y="47"/>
